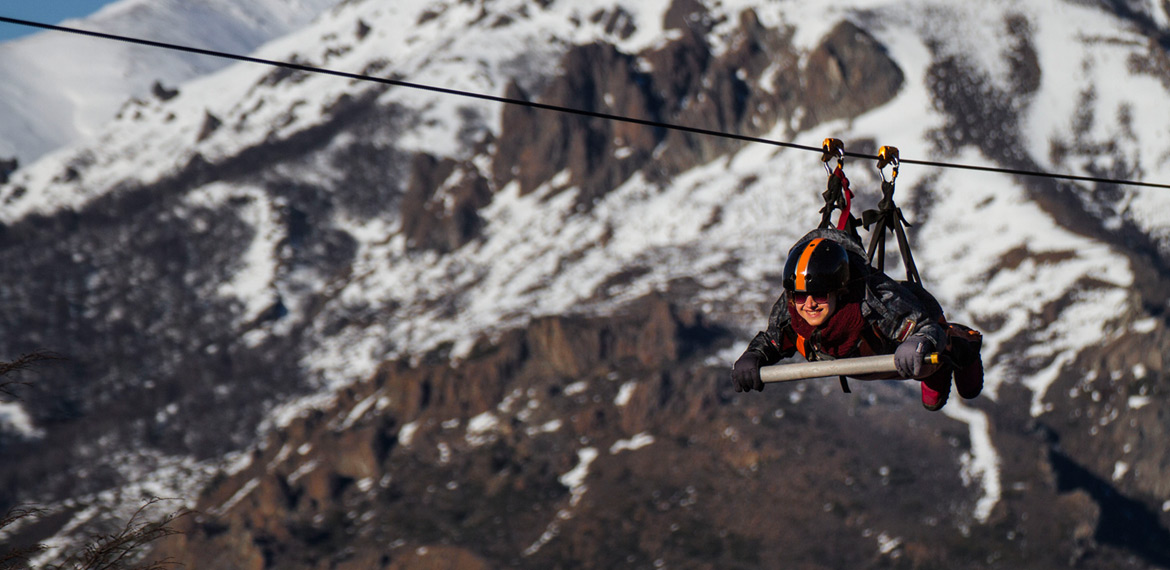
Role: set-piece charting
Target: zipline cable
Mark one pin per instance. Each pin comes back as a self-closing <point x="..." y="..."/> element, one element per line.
<point x="548" y="107"/>
<point x="400" y="83"/>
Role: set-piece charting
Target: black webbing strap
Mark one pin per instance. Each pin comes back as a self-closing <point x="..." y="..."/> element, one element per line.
<point x="888" y="217"/>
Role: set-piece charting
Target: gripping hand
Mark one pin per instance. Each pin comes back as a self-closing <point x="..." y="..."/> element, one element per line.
<point x="745" y="375"/>
<point x="911" y="354"/>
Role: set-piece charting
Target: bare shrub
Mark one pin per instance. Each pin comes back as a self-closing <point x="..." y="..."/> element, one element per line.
<point x="120" y="550"/>
<point x="19" y="365"/>
<point x="123" y="549"/>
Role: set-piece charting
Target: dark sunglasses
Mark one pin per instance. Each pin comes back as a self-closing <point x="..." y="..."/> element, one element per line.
<point x="800" y="298"/>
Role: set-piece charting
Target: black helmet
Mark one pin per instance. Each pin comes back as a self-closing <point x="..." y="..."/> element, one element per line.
<point x="817" y="267"/>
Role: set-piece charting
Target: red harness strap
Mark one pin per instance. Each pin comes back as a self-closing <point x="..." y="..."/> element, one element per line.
<point x="843" y="221"/>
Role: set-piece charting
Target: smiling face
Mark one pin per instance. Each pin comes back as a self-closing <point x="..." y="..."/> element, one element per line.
<point x="815" y="309"/>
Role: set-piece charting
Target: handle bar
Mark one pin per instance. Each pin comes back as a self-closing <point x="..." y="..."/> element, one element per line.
<point x="839" y="367"/>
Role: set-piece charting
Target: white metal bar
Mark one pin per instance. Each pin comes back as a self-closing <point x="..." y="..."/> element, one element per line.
<point x="840" y="367"/>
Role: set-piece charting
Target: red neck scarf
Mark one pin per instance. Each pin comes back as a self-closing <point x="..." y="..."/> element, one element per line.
<point x="838" y="336"/>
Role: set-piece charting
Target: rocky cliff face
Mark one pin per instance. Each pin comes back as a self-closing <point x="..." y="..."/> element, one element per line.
<point x="683" y="83"/>
<point x="587" y="442"/>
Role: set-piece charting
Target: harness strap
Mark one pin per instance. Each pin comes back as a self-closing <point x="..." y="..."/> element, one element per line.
<point x="844" y="384"/>
<point x="843" y="221"/>
<point x="839" y="196"/>
<point x="888" y="217"/>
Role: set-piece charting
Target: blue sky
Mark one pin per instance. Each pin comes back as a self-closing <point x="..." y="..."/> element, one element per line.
<point x="47" y="11"/>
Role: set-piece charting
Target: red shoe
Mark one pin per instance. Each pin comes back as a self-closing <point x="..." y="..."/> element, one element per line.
<point x="935" y="390"/>
<point x="965" y="344"/>
<point x="969" y="379"/>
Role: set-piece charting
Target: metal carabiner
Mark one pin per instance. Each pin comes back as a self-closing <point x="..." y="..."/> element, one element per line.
<point x="887" y="156"/>
<point x="832" y="148"/>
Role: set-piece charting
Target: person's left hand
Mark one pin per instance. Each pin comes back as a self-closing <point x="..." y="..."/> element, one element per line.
<point x="911" y="354"/>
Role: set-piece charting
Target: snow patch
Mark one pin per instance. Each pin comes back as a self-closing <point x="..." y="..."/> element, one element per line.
<point x="1120" y="468"/>
<point x="358" y="411"/>
<point x="887" y="544"/>
<point x="237" y="462"/>
<point x="575" y="481"/>
<point x="237" y="497"/>
<point x="14" y="418"/>
<point x="305" y="469"/>
<point x="547" y="427"/>
<point x="480" y="428"/>
<point x="406" y="434"/>
<point x="576" y="388"/>
<point x="1145" y="326"/>
<point x="982" y="462"/>
<point x="482" y="423"/>
<point x="1139" y="371"/>
<point x="625" y="393"/>
<point x="575" y="478"/>
<point x="637" y="442"/>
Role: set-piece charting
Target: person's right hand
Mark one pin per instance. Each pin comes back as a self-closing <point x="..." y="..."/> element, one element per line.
<point x="745" y="374"/>
<point x="909" y="356"/>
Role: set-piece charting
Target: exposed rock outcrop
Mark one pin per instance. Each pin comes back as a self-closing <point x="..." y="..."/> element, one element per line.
<point x="684" y="83"/>
<point x="440" y="208"/>
<point x="592" y="442"/>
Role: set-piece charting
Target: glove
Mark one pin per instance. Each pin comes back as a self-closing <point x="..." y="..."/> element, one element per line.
<point x="745" y="374"/>
<point x="911" y="354"/>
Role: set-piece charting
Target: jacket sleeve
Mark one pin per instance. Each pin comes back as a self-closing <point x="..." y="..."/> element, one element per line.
<point x="775" y="344"/>
<point x="900" y="314"/>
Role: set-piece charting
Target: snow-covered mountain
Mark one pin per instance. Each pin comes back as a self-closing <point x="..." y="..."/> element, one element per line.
<point x="60" y="88"/>
<point x="283" y="288"/>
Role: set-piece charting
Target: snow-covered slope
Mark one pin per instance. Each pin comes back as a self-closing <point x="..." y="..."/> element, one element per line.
<point x="1047" y="84"/>
<point x="58" y="88"/>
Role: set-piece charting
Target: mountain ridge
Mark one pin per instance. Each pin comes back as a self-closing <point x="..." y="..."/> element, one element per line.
<point x="54" y="98"/>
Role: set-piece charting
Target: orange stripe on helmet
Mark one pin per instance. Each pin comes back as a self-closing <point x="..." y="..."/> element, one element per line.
<point x="802" y="264"/>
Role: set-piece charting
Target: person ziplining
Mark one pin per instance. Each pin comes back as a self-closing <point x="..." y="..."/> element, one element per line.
<point x="837" y="308"/>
